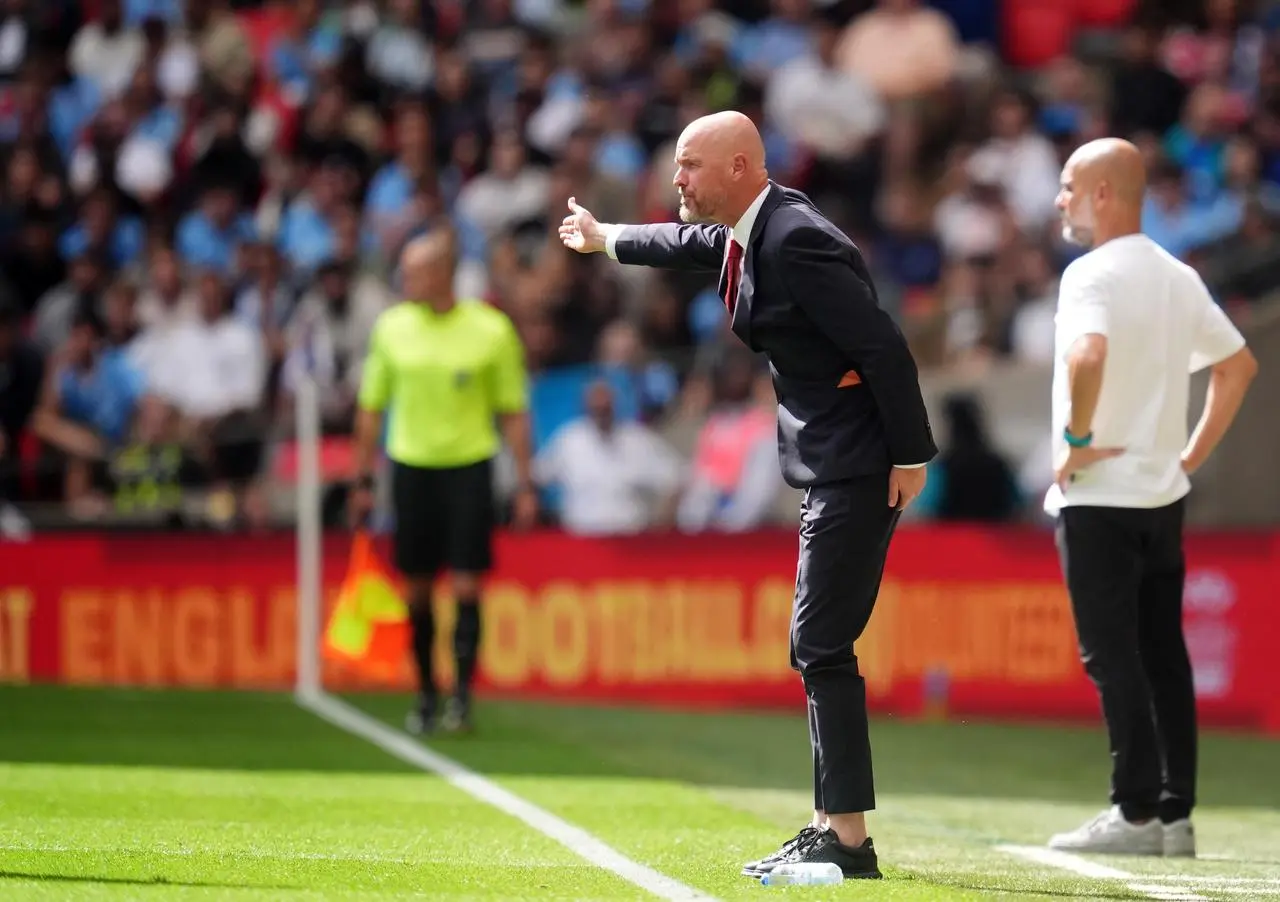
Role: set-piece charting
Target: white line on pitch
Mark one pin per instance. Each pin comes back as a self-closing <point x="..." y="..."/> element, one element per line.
<point x="1083" y="867"/>
<point x="575" y="839"/>
<point x="1229" y="881"/>
<point x="1250" y="892"/>
<point x="57" y="849"/>
<point x="1214" y="856"/>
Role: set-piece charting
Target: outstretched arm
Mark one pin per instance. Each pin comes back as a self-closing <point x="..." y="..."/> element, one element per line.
<point x="663" y="244"/>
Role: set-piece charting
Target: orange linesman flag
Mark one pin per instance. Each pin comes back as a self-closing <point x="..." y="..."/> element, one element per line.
<point x="369" y="626"/>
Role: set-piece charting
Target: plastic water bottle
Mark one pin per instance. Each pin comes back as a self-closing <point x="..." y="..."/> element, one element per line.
<point x="804" y="873"/>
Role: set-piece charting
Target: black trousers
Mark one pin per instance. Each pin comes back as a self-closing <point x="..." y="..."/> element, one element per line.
<point x="1124" y="569"/>
<point x="845" y="530"/>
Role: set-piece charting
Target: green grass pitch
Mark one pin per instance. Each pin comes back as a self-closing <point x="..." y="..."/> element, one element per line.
<point x="115" y="795"/>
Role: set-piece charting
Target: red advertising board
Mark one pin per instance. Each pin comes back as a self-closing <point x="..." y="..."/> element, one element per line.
<point x="657" y="619"/>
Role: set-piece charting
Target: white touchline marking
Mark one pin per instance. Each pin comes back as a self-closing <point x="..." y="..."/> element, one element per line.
<point x="55" y="849"/>
<point x="1067" y="862"/>
<point x="1161" y="891"/>
<point x="1083" y="867"/>
<point x="575" y="839"/>
<point x="1202" y="856"/>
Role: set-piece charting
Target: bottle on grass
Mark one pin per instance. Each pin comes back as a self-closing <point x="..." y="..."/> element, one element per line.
<point x="804" y="873"/>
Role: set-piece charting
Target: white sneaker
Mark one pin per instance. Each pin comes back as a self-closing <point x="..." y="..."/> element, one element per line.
<point x="1179" y="839"/>
<point x="1110" y="833"/>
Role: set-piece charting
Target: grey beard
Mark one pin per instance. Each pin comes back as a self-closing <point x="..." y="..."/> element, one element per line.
<point x="687" y="215"/>
<point x="1077" y="236"/>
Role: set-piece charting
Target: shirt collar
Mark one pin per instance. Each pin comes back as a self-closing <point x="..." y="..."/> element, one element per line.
<point x="742" y="231"/>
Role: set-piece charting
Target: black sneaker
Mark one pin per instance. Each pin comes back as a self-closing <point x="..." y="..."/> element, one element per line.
<point x="422" y="719"/>
<point x="762" y="866"/>
<point x="457" y="715"/>
<point x="857" y="864"/>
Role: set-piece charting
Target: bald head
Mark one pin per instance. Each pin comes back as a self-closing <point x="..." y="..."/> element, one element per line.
<point x="434" y="248"/>
<point x="719" y="167"/>
<point x="1103" y="185"/>
<point x="1115" y="162"/>
<point x="724" y="135"/>
<point x="427" y="266"/>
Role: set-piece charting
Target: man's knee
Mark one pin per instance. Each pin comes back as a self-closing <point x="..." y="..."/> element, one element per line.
<point x="466" y="587"/>
<point x="1114" y="667"/>
<point x="810" y="656"/>
<point x="418" y="590"/>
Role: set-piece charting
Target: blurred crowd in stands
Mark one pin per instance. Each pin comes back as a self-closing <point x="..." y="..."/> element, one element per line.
<point x="202" y="201"/>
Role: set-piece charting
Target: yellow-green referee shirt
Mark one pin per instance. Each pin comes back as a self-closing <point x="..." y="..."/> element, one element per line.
<point x="446" y="377"/>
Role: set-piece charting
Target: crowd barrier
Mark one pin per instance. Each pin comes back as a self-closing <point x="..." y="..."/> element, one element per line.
<point x="971" y="620"/>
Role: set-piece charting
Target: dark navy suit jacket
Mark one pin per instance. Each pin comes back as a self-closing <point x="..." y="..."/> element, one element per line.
<point x="849" y="401"/>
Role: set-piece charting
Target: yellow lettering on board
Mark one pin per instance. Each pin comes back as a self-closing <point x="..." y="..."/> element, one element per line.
<point x="85" y="631"/>
<point x="140" y="645"/>
<point x="506" y="640"/>
<point x="15" y="636"/>
<point x="195" y="645"/>
<point x="564" y="635"/>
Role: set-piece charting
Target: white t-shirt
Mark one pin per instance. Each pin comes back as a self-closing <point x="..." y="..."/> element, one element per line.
<point x="1161" y="326"/>
<point x="608" y="482"/>
<point x="213" y="369"/>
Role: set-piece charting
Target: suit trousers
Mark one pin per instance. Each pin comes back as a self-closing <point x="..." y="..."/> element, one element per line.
<point x="1125" y="570"/>
<point x="845" y="528"/>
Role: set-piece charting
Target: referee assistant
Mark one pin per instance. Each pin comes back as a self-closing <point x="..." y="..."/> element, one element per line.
<point x="1133" y="323"/>
<point x="448" y="371"/>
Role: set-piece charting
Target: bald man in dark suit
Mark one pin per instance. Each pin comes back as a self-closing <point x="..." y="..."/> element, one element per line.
<point x="853" y="431"/>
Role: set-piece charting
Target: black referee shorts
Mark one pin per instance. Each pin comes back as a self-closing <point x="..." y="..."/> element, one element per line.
<point x="444" y="518"/>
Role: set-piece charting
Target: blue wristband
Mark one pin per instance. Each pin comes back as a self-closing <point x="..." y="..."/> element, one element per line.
<point x="1075" y="442"/>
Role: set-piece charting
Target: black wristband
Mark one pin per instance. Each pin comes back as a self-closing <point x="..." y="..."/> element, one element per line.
<point x="365" y="481"/>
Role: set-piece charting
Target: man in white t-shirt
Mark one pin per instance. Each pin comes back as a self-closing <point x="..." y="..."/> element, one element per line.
<point x="616" y="477"/>
<point x="1133" y="324"/>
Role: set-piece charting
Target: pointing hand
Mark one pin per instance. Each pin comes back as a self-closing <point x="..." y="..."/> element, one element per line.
<point x="580" y="232"/>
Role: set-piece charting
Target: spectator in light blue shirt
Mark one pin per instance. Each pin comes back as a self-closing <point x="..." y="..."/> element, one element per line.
<point x="138" y="11"/>
<point x="1181" y="224"/>
<point x="92" y="407"/>
<point x="99" y="229"/>
<point x="389" y="204"/>
<point x="123" y="245"/>
<point x="71" y="107"/>
<point x="209" y="236"/>
<point x="297" y="54"/>
<point x="153" y="119"/>
<point x="620" y="155"/>
<point x="398" y="53"/>
<point x="771" y="44"/>
<point x="306" y="236"/>
<point x="711" y="28"/>
<point x="96" y="390"/>
<point x="392" y="188"/>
